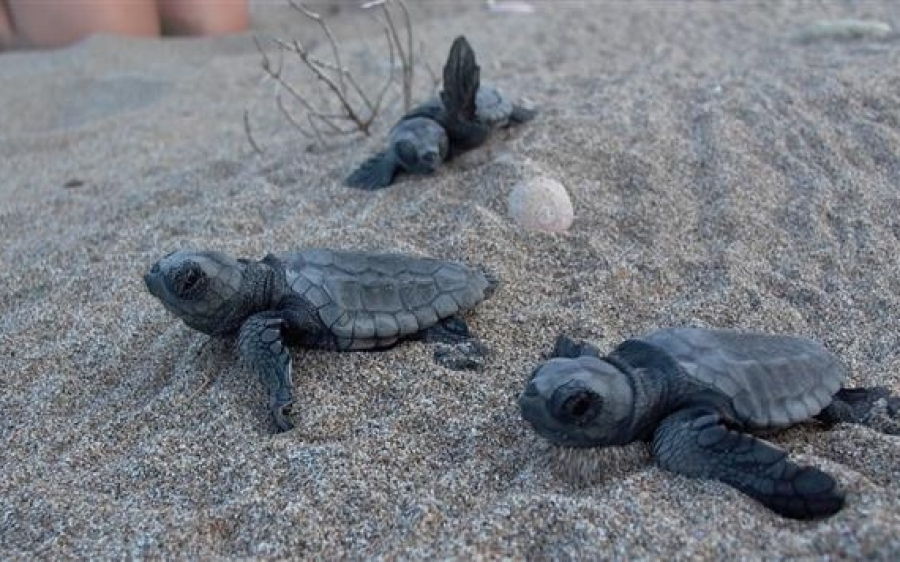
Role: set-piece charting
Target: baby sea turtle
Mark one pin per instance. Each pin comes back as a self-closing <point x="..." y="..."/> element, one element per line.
<point x="696" y="394"/>
<point x="435" y="131"/>
<point x="317" y="298"/>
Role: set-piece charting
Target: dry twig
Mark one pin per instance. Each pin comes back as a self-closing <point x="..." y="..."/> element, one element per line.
<point x="356" y="110"/>
<point x="407" y="63"/>
<point x="435" y="79"/>
<point x="249" y="134"/>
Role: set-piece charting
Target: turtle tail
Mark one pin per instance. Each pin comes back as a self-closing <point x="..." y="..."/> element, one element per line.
<point x="375" y="173"/>
<point x="492" y="283"/>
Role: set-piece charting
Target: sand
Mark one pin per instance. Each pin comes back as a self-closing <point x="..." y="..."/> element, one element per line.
<point x="722" y="173"/>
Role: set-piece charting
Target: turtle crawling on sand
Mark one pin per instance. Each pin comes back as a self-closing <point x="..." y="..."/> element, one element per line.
<point x="696" y="395"/>
<point x="435" y="131"/>
<point x="318" y="298"/>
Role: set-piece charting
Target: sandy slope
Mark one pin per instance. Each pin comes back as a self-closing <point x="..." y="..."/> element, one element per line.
<point x="722" y="174"/>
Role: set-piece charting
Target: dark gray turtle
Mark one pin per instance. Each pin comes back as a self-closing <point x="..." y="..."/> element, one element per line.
<point x="435" y="131"/>
<point x="317" y="298"/>
<point x="416" y="145"/>
<point x="695" y="394"/>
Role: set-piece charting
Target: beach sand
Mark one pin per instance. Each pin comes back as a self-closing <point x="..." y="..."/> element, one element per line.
<point x="725" y="169"/>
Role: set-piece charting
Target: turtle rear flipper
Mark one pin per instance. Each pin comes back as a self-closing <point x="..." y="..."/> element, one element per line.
<point x="376" y="172"/>
<point x="696" y="443"/>
<point x="521" y="114"/>
<point x="456" y="349"/>
<point x="571" y="348"/>
<point x="874" y="407"/>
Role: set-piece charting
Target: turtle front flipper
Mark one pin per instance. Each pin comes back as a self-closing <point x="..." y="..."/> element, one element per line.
<point x="376" y="172"/>
<point x="696" y="443"/>
<point x="571" y="348"/>
<point x="462" y="78"/>
<point x="261" y="346"/>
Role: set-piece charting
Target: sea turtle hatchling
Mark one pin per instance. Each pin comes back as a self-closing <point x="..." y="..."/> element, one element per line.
<point x="318" y="298"/>
<point x="696" y="394"/>
<point x="459" y="120"/>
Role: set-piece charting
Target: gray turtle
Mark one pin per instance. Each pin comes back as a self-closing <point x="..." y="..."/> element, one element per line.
<point x="696" y="394"/>
<point x="435" y="131"/>
<point x="317" y="298"/>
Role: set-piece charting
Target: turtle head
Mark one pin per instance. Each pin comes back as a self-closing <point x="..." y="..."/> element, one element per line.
<point x="581" y="402"/>
<point x="418" y="159"/>
<point x="205" y="289"/>
<point x="421" y="145"/>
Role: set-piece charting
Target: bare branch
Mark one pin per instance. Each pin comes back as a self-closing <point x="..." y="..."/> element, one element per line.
<point x="409" y="44"/>
<point x="390" y="78"/>
<point x="351" y="110"/>
<point x="311" y="60"/>
<point x="276" y="75"/>
<point x="287" y="114"/>
<point x="247" y="132"/>
<point x="335" y="51"/>
<point x="409" y="70"/>
<point x="406" y="56"/>
<point x="266" y="65"/>
<point x="435" y="79"/>
<point x="316" y="66"/>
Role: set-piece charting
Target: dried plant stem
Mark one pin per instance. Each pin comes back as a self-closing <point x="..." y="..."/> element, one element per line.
<point x="357" y="111"/>
<point x="249" y="134"/>
<point x="406" y="55"/>
<point x="435" y="79"/>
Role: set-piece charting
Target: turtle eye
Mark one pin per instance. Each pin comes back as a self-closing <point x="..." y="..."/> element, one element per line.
<point x="189" y="281"/>
<point x="407" y="153"/>
<point x="579" y="406"/>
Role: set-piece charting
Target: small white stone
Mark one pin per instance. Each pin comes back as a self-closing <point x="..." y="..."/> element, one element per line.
<point x="541" y="204"/>
<point x="844" y="30"/>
